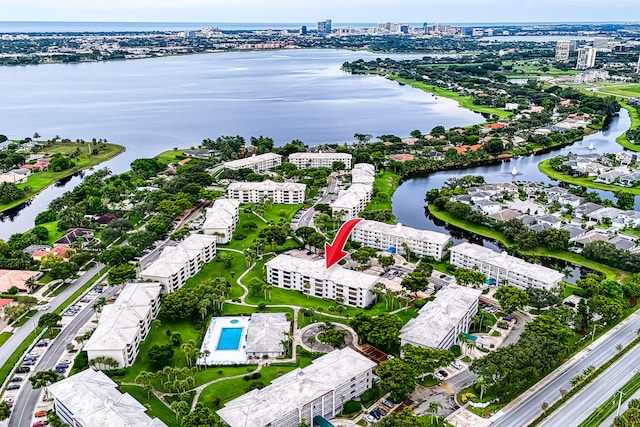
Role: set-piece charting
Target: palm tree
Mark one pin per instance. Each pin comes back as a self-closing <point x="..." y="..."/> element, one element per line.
<point x="180" y="407"/>
<point x="98" y="304"/>
<point x="307" y="287"/>
<point x="433" y="408"/>
<point x="155" y="324"/>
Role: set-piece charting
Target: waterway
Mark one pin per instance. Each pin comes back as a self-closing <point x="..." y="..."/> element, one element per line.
<point x="151" y="105"/>
<point x="408" y="200"/>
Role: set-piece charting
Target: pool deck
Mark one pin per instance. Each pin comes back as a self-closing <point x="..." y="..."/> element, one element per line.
<point x="212" y="336"/>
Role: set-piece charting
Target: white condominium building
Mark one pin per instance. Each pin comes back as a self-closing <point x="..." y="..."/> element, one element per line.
<point x="503" y="267"/>
<point x="91" y="399"/>
<point x="259" y="163"/>
<point x="441" y="321"/>
<point x="586" y="58"/>
<point x="352" y="201"/>
<point x="337" y="283"/>
<point x="123" y="325"/>
<point x="178" y="263"/>
<point x="363" y="173"/>
<point x="319" y="160"/>
<point x="562" y="50"/>
<point x="315" y="392"/>
<point x="221" y="219"/>
<point x="384" y="236"/>
<point x="256" y="192"/>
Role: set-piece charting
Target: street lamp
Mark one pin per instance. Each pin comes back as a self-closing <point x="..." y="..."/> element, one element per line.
<point x="620" y="394"/>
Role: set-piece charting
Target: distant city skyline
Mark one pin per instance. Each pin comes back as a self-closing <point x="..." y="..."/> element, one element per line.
<point x="294" y="11"/>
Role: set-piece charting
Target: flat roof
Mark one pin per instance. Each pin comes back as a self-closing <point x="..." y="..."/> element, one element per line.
<point x="94" y="400"/>
<point x="317" y="270"/>
<point x="293" y="390"/>
<point x="173" y="258"/>
<point x="266" y="186"/>
<point x="249" y="161"/>
<point x="438" y="317"/>
<point x="320" y="155"/>
<point x="398" y="230"/>
<point x="508" y="262"/>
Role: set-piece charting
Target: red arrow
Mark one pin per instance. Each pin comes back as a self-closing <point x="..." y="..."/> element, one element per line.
<point x="333" y="251"/>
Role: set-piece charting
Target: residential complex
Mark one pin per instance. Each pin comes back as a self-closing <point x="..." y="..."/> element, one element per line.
<point x="319" y="160"/>
<point x="311" y="277"/>
<point x="385" y="236"/>
<point x="586" y="58"/>
<point x="91" y="399"/>
<point x="256" y="192"/>
<point x="317" y="391"/>
<point x="259" y="163"/>
<point x="441" y="321"/>
<point x="266" y="334"/>
<point x="501" y="267"/>
<point x="178" y="263"/>
<point x="353" y="200"/>
<point x="562" y="50"/>
<point x="124" y="325"/>
<point x="221" y="219"/>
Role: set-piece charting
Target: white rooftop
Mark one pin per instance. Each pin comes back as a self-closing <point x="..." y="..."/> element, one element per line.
<point x="291" y="391"/>
<point x="94" y="400"/>
<point x="222" y="213"/>
<point x="266" y="332"/>
<point x="173" y="258"/>
<point x="320" y="155"/>
<point x="403" y="231"/>
<point x="508" y="262"/>
<point x="317" y="270"/>
<point x="438" y="317"/>
<point x="266" y="186"/>
<point x="249" y="161"/>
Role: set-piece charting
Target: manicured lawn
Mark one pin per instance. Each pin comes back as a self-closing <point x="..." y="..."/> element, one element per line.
<point x="464" y="101"/>
<point x="545" y="168"/>
<point x="635" y="123"/>
<point x="568" y="256"/>
<point x="4" y="336"/>
<point x="171" y="155"/>
<point x="385" y="184"/>
<point x="159" y="336"/>
<point x="621" y="89"/>
<point x="54" y="233"/>
<point x="230" y="389"/>
<point x="25" y="317"/>
<point x="217" y="269"/>
<point x="234" y="310"/>
<point x="281" y="211"/>
<point x="156" y="408"/>
<point x="250" y="235"/>
<point x="39" y="180"/>
<point x="206" y="375"/>
<point x="407" y="314"/>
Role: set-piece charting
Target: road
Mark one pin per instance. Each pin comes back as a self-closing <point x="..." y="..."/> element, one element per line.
<point x="529" y="405"/>
<point x="609" y="420"/>
<point x="20" y="334"/>
<point x="25" y="404"/>
<point x="593" y="395"/>
<point x="306" y="220"/>
<point x="461" y="381"/>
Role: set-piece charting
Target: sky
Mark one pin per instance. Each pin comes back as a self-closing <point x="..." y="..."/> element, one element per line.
<point x="308" y="11"/>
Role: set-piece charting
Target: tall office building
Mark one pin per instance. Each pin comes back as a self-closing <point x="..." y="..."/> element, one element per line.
<point x="303" y="30"/>
<point x="324" y="27"/>
<point x="586" y="58"/>
<point x="562" y="50"/>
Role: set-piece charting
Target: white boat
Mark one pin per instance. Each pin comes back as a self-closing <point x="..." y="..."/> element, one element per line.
<point x="514" y="171"/>
<point x="591" y="147"/>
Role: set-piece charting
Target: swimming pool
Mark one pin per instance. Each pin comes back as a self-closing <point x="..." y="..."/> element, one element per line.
<point x="229" y="339"/>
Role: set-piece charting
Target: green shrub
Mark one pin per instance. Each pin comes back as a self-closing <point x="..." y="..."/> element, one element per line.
<point x="456" y="350"/>
<point x="351" y="407"/>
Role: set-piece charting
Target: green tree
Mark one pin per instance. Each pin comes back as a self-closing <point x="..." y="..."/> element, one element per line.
<point x="467" y="277"/>
<point x="511" y="298"/>
<point x="547" y="326"/>
<point x="334" y="337"/>
<point x="610" y="309"/>
<point x="541" y="298"/>
<point x="225" y="258"/>
<point x="5" y="410"/>
<point x="625" y="200"/>
<point x="201" y="416"/>
<point x="396" y="378"/>
<point x="44" y="378"/>
<point x="49" y="321"/>
<point x="63" y="270"/>
<point x="120" y="274"/>
<point x="386" y="261"/>
<point x="415" y="282"/>
<point x="425" y="359"/>
<point x="117" y="255"/>
<point x="160" y="355"/>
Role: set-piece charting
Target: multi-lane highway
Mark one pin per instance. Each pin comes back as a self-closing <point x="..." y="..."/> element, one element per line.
<point x="584" y="403"/>
<point x="528" y="406"/>
<point x="25" y="403"/>
<point x="21" y="333"/>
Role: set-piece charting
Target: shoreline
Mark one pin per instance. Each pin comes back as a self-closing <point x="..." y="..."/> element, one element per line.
<point x="546" y="169"/>
<point x="65" y="174"/>
<point x="495" y="235"/>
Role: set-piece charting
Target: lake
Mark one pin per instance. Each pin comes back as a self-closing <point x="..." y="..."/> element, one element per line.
<point x="151" y="105"/>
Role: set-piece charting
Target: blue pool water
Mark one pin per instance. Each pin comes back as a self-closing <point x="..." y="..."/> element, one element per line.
<point x="234" y="321"/>
<point x="229" y="339"/>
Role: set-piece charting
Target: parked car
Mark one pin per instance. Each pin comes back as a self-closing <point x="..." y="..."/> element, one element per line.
<point x="45" y="307"/>
<point x="387" y="403"/>
<point x="456" y="364"/>
<point x="438" y="376"/>
<point x="381" y="411"/>
<point x="29" y="362"/>
<point x="23" y="370"/>
<point x="443" y="373"/>
<point x="40" y="413"/>
<point x="507" y="319"/>
<point x="38" y="424"/>
<point x="370" y="418"/>
<point x="16" y="379"/>
<point x="13" y="386"/>
<point x="374" y="414"/>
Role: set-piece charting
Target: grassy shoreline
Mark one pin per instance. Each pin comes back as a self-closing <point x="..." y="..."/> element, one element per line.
<point x="545" y="168"/>
<point x="635" y="123"/>
<point x="567" y="256"/>
<point x="39" y="181"/>
<point x="463" y="101"/>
